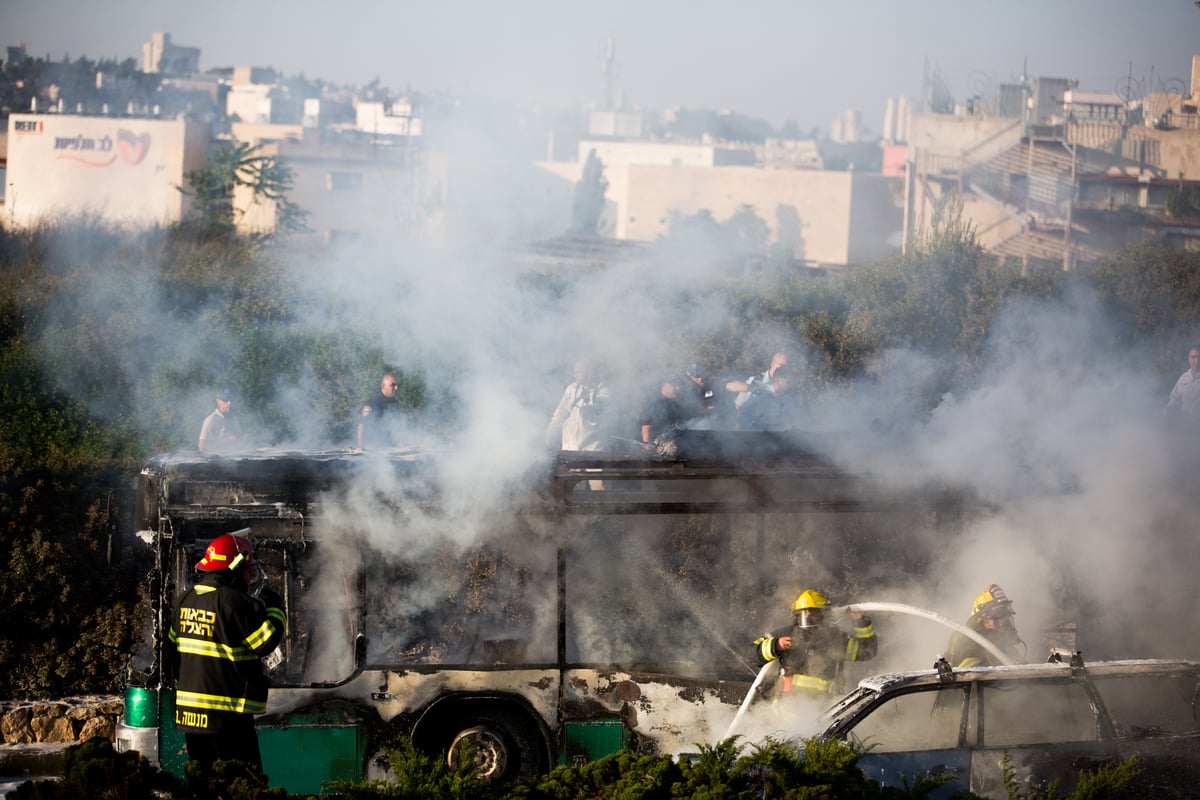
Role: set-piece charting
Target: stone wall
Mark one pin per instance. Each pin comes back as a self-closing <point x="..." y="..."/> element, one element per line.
<point x="73" y="719"/>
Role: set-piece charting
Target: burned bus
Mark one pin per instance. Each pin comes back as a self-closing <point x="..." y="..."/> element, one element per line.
<point x="586" y="603"/>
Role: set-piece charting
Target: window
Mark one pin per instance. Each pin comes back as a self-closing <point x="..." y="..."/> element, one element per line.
<point x="1017" y="714"/>
<point x="923" y="720"/>
<point x="344" y="181"/>
<point x="1142" y="703"/>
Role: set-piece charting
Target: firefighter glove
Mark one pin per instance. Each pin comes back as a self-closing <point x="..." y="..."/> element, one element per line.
<point x="270" y="598"/>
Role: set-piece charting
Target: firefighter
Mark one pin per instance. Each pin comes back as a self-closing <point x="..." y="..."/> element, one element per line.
<point x="992" y="617"/>
<point x="811" y="650"/>
<point x="221" y="632"/>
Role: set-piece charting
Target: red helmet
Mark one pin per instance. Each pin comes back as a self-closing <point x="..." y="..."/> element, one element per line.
<point x="230" y="551"/>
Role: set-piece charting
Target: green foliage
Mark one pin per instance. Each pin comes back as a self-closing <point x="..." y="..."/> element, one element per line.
<point x="588" y="206"/>
<point x="230" y="780"/>
<point x="735" y="247"/>
<point x="1104" y="781"/>
<point x="1182" y="201"/>
<point x="1153" y="295"/>
<point x="810" y="770"/>
<point x="620" y="776"/>
<point x="827" y="768"/>
<point x="94" y="769"/>
<point x="233" y="165"/>
<point x="417" y="776"/>
<point x="941" y="299"/>
<point x="748" y="232"/>
<point x="70" y="612"/>
<point x="713" y="773"/>
<point x="814" y="769"/>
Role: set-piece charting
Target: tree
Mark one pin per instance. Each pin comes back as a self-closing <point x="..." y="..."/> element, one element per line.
<point x="1180" y="200"/>
<point x="748" y="232"/>
<point x="588" y="207"/>
<point x="240" y="165"/>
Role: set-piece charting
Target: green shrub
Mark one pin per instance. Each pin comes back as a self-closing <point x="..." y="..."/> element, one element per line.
<point x="94" y="769"/>
<point x="416" y="776"/>
<point x="1104" y="781"/>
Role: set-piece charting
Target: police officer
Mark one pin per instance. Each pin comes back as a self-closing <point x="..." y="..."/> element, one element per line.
<point x="220" y="633"/>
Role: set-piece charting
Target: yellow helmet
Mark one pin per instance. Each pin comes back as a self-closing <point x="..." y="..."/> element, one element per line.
<point x="809" y="598"/>
<point x="993" y="603"/>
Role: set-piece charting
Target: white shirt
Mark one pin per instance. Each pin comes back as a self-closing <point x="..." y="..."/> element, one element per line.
<point x="577" y="416"/>
<point x="1185" y="397"/>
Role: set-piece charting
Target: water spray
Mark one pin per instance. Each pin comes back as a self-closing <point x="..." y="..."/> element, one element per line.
<point x="902" y="608"/>
<point x="772" y="668"/>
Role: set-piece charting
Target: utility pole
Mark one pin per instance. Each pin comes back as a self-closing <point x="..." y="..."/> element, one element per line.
<point x="1067" y="260"/>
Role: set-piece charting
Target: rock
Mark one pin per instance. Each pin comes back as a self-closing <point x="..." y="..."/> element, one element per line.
<point x="15" y="726"/>
<point x="80" y="713"/>
<point x="98" y="728"/>
<point x="112" y="708"/>
<point x="52" y="729"/>
<point x="62" y="722"/>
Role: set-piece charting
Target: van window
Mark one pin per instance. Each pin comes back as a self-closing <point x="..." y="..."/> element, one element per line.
<point x="1140" y="704"/>
<point x="1018" y="713"/>
<point x="921" y="720"/>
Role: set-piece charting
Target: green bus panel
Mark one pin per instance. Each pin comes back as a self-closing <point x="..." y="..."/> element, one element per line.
<point x="592" y="739"/>
<point x="172" y="748"/>
<point x="301" y="758"/>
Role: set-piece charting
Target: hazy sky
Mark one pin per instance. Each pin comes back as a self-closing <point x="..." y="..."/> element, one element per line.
<point x="777" y="59"/>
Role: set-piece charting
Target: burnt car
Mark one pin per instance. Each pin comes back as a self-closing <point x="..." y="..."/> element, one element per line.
<point x="1052" y="721"/>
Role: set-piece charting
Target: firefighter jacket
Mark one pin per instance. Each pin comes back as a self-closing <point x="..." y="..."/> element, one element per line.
<point x="220" y="634"/>
<point x="816" y="654"/>
<point x="963" y="652"/>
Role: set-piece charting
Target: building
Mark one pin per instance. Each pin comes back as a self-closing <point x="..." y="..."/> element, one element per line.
<point x="833" y="219"/>
<point x="680" y="154"/>
<point x="354" y="189"/>
<point x="627" y="124"/>
<point x="386" y="119"/>
<point x="161" y="55"/>
<point x="1074" y="180"/>
<point x="790" y="154"/>
<point x="256" y="95"/>
<point x="847" y="128"/>
<point x="897" y="113"/>
<point x="1093" y="106"/>
<point x="122" y="170"/>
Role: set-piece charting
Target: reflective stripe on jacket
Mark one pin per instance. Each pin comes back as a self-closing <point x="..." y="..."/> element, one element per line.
<point x="813" y="663"/>
<point x="221" y="634"/>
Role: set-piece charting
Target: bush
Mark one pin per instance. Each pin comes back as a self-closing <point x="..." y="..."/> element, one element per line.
<point x="94" y="769"/>
<point x="417" y="776"/>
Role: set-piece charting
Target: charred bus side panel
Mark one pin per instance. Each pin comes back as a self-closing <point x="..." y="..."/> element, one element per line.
<point x="604" y="603"/>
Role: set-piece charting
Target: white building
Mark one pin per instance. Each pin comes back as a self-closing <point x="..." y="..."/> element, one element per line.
<point x="1093" y="106"/>
<point x="824" y="218"/>
<point x="125" y="171"/>
<point x="356" y="191"/>
<point x="680" y="154"/>
<point x="897" y="116"/>
<point x="396" y="119"/>
<point x="847" y="128"/>
<point x="615" y="123"/>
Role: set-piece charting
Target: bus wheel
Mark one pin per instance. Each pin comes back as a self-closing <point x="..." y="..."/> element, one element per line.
<point x="490" y="749"/>
<point x="506" y="745"/>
